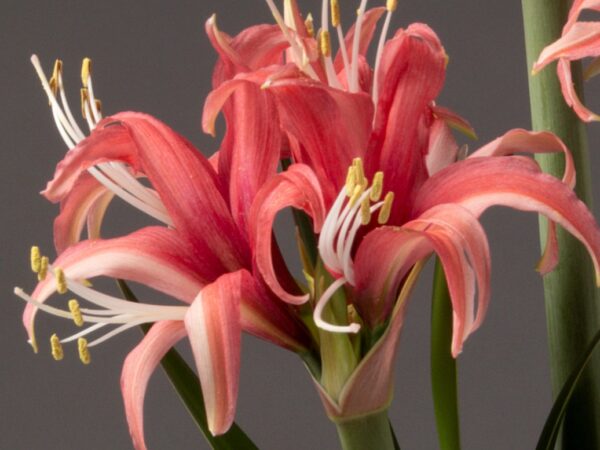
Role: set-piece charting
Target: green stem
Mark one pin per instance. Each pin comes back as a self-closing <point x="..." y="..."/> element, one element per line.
<point x="372" y="432"/>
<point x="443" y="365"/>
<point x="570" y="293"/>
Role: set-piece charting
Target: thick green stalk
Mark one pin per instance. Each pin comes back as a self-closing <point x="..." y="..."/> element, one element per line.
<point x="371" y="432"/>
<point x="571" y="303"/>
<point x="443" y="365"/>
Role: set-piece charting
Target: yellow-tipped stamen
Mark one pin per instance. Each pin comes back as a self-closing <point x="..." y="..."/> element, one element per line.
<point x="350" y="181"/>
<point x="84" y="353"/>
<point x="57" y="350"/>
<point x="325" y="43"/>
<point x="84" y="101"/>
<point x="44" y="262"/>
<point x="358" y="191"/>
<point x="360" y="171"/>
<point x="76" y="312"/>
<point x="310" y="26"/>
<point x="335" y="13"/>
<point x="86" y="71"/>
<point x="386" y="209"/>
<point x="36" y="259"/>
<point x="391" y="5"/>
<point x="61" y="281"/>
<point x="377" y="187"/>
<point x="365" y="212"/>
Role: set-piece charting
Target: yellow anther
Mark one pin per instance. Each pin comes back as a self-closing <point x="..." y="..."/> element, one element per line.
<point x="335" y="13"/>
<point x="44" y="262"/>
<point x="61" y="281"/>
<point x="310" y="26"/>
<point x="76" y="312"/>
<point x="358" y="190"/>
<point x="377" y="186"/>
<point x="325" y="43"/>
<point x="36" y="259"/>
<point x="53" y="82"/>
<point x="86" y="71"/>
<point x="84" y="353"/>
<point x="391" y="5"/>
<point x="57" y="350"/>
<point x="350" y="181"/>
<point x="360" y="171"/>
<point x="84" y="101"/>
<point x="386" y="209"/>
<point x="365" y="212"/>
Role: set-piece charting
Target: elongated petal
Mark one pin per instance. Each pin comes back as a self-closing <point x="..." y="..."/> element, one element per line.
<point x="514" y="181"/>
<point x="137" y="369"/>
<point x="577" y="7"/>
<point x="88" y="197"/>
<point x="411" y="75"/>
<point x="370" y="387"/>
<point x="182" y="177"/>
<point x="570" y="93"/>
<point x="580" y="41"/>
<point x="297" y="187"/>
<point x="154" y="256"/>
<point x="524" y="141"/>
<point x="454" y="121"/>
<point x="304" y="108"/>
<point x="213" y="324"/>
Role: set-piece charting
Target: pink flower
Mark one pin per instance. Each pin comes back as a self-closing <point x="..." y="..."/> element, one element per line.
<point x="364" y="133"/>
<point x="201" y="258"/>
<point x="578" y="40"/>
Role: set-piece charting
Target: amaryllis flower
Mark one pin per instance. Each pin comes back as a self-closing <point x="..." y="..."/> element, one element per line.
<point x="379" y="146"/>
<point x="579" y="39"/>
<point x="201" y="258"/>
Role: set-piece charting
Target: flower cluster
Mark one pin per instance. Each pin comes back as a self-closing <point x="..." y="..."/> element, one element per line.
<point x="364" y="156"/>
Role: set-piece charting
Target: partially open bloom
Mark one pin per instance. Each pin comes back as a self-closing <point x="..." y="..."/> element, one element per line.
<point x="395" y="184"/>
<point x="579" y="39"/>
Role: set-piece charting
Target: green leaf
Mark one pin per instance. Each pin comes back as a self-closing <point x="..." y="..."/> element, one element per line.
<point x="187" y="385"/>
<point x="443" y="365"/>
<point x="553" y="422"/>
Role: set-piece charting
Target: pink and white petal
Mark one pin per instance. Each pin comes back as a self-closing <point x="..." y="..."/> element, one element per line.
<point x="580" y="41"/>
<point x="464" y="231"/>
<point x="517" y="182"/>
<point x="137" y="369"/>
<point x="297" y="187"/>
<point x="524" y="141"/>
<point x="576" y="8"/>
<point x="570" y="95"/>
<point x="442" y="149"/>
<point x="87" y="198"/>
<point x="213" y="324"/>
<point x="154" y="256"/>
<point x="411" y="75"/>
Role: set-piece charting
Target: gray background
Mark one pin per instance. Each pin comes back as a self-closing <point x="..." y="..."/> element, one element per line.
<point x="153" y="56"/>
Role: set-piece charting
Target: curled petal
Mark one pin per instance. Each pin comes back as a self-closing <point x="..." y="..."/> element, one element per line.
<point x="137" y="369"/>
<point x="517" y="182"/>
<point x="442" y="149"/>
<point x="454" y="121"/>
<point x="570" y="95"/>
<point x="297" y="187"/>
<point x="213" y="324"/>
<point x="87" y="201"/>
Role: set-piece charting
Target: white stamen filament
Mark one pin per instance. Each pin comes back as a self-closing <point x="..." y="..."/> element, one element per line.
<point x="113" y="175"/>
<point x="380" y="44"/>
<point x="318" y="312"/>
<point x="355" y="47"/>
<point x="344" y="51"/>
